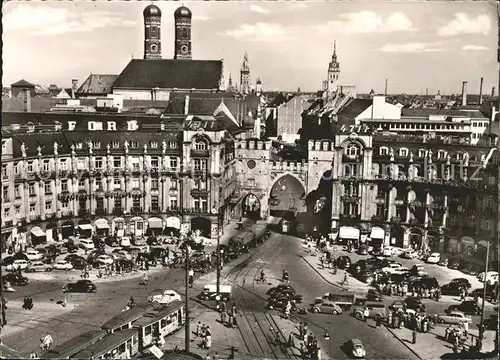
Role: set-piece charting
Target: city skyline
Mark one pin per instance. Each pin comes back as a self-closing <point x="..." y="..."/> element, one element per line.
<point x="289" y="44"/>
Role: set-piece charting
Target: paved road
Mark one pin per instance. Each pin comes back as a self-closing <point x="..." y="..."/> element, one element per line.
<point x="281" y="253"/>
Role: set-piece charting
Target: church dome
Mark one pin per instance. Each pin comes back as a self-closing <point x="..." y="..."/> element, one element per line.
<point x="183" y="12"/>
<point x="152" y="10"/>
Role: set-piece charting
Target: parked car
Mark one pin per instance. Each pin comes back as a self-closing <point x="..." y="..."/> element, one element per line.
<point x="374" y="295"/>
<point x="34" y="255"/>
<point x="153" y="241"/>
<point x="63" y="265"/>
<point x="158" y="252"/>
<point x="463" y="282"/>
<point x="453" y="264"/>
<point x="290" y="294"/>
<point x="467" y="307"/>
<point x="387" y="251"/>
<point x="376" y="310"/>
<point x="279" y="289"/>
<point x="414" y="303"/>
<point x="417" y="270"/>
<point x="409" y="254"/>
<point x="490" y="276"/>
<point x="166" y="297"/>
<point x="72" y="248"/>
<point x="454" y="317"/>
<point x="79" y="263"/>
<point x="87" y="244"/>
<point x="428" y="282"/>
<point x="17" y="265"/>
<point x="395" y="268"/>
<point x="433" y="258"/>
<point x="112" y="241"/>
<point x="443" y="262"/>
<point x="452" y="289"/>
<point x="38" y="266"/>
<point x="83" y="286"/>
<point x="121" y="255"/>
<point x="343" y="262"/>
<point x="326" y="307"/>
<point x="104" y="259"/>
<point x="355" y="348"/>
<point x="125" y="241"/>
<point x="15" y="279"/>
<point x="8" y="260"/>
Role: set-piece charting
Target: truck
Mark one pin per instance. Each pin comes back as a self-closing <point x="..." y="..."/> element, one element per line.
<point x="344" y="299"/>
<point x="209" y="292"/>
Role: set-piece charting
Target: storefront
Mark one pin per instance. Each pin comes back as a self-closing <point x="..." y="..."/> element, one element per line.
<point x="173" y="226"/>
<point x="397" y="236"/>
<point x="136" y="226"/>
<point x="51" y="232"/>
<point x="85" y="230"/>
<point x="377" y="236"/>
<point x="102" y="227"/>
<point x="416" y="238"/>
<point x="119" y="227"/>
<point x="349" y="234"/>
<point x="67" y="229"/>
<point x="38" y="236"/>
<point x="155" y="226"/>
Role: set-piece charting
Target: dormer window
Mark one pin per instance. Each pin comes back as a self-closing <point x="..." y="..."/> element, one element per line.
<point x="200" y="145"/>
<point x="403" y="152"/>
<point x="384" y="150"/>
<point x="134" y="144"/>
<point x="96" y="144"/>
<point x="421" y="153"/>
<point x="79" y="145"/>
<point x="115" y="144"/>
<point x="460" y="156"/>
<point x="352" y="150"/>
<point x="441" y="154"/>
<point x="153" y="144"/>
<point x="172" y="145"/>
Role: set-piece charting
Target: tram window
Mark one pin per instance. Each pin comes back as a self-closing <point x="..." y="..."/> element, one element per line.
<point x="147" y="330"/>
<point x="121" y="348"/>
<point x="163" y="323"/>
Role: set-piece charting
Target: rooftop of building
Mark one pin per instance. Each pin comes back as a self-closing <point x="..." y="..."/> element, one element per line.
<point x="354" y="107"/>
<point x="97" y="84"/>
<point x="426" y="112"/>
<point x="23" y="84"/>
<point x="170" y="74"/>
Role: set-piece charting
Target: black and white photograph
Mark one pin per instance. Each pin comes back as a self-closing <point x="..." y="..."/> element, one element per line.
<point x="250" y="180"/>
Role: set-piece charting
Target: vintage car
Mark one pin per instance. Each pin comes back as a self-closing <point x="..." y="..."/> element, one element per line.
<point x="326" y="307"/>
<point x="454" y="317"/>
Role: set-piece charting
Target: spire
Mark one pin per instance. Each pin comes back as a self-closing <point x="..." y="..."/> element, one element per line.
<point x="335" y="47"/>
<point x="230" y="81"/>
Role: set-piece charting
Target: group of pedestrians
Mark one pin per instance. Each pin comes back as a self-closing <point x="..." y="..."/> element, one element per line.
<point x="203" y="332"/>
<point x="228" y="316"/>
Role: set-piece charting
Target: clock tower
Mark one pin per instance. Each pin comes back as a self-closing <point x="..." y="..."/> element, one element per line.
<point x="333" y="71"/>
<point x="152" y="27"/>
<point x="182" y="45"/>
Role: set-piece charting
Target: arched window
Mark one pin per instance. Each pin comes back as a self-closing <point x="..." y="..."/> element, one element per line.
<point x="352" y="150"/>
<point x="200" y="145"/>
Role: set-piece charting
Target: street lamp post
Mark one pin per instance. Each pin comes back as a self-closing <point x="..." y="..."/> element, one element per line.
<point x="187" y="334"/>
<point x="481" y="325"/>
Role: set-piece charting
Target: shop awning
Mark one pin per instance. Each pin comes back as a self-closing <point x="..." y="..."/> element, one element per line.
<point x="349" y="233"/>
<point x="377" y="233"/>
<point x="273" y="220"/>
<point x="85" y="227"/>
<point x="155" y="223"/>
<point x="102" y="225"/>
<point x="37" y="232"/>
<point x="174" y="222"/>
<point x="483" y="243"/>
<point x="467" y="240"/>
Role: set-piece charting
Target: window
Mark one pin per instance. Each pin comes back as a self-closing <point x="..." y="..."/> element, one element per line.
<point x="17" y="168"/>
<point x="154" y="203"/>
<point x="30" y="166"/>
<point x="134" y="144"/>
<point x="200" y="204"/>
<point x="200" y="145"/>
<point x="79" y="145"/>
<point x="153" y="144"/>
<point x="31" y="189"/>
<point x="403" y="152"/>
<point x="46" y="165"/>
<point x="173" y="203"/>
<point x="174" y="184"/>
<point x="32" y="208"/>
<point x="380" y="210"/>
<point x="117" y="183"/>
<point x="18" y="211"/>
<point x="251" y="182"/>
<point x="135" y="163"/>
<point x="489" y="202"/>
<point x="98" y="163"/>
<point x="118" y="204"/>
<point x="17" y="191"/>
<point x="64" y="185"/>
<point x="421" y="153"/>
<point x="352" y="150"/>
<point x="48" y="206"/>
<point x="80" y="164"/>
<point x="115" y="144"/>
<point x="5" y="193"/>
<point x="96" y="144"/>
<point x="117" y="162"/>
<point x="98" y="184"/>
<point x="384" y="151"/>
<point x="99" y="203"/>
<point x="47" y="187"/>
<point x="135" y="183"/>
<point x="136" y="203"/>
<point x="148" y="330"/>
<point x="200" y="164"/>
<point x="173" y="163"/>
<point x="172" y="145"/>
<point x="441" y="154"/>
<point x="63" y="164"/>
<point x="81" y="183"/>
<point x="201" y="184"/>
<point x="4" y="171"/>
<point x="154" y="183"/>
<point x="65" y="204"/>
<point x="154" y="164"/>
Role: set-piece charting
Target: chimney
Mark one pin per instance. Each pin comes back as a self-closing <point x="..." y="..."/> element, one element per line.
<point x="493" y="91"/>
<point x="27" y="100"/>
<point x="481" y="92"/>
<point x="186" y="105"/>
<point x="464" y="93"/>
<point x="74" y="87"/>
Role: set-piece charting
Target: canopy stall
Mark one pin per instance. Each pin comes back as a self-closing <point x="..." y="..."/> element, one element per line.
<point x="377" y="236"/>
<point x="102" y="227"/>
<point x="85" y="230"/>
<point x="37" y="236"/>
<point x="349" y="233"/>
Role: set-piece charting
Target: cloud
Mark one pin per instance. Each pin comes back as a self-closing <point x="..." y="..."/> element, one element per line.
<point x="298" y="6"/>
<point x="260" y="32"/>
<point x="260" y="10"/>
<point x="365" y="22"/>
<point x="463" y="24"/>
<point x="201" y="18"/>
<point x="45" y="21"/>
<point x="410" y="47"/>
<point x="475" y="48"/>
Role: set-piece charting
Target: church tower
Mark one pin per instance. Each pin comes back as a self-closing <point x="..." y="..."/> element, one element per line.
<point x="152" y="30"/>
<point x="245" y="75"/>
<point x="182" y="45"/>
<point x="333" y="71"/>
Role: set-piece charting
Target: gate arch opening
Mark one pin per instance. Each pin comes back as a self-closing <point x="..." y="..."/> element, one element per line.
<point x="203" y="225"/>
<point x="287" y="194"/>
<point x="250" y="207"/>
<point x="397" y="236"/>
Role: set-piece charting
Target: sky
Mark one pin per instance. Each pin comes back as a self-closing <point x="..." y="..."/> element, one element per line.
<point x="415" y="45"/>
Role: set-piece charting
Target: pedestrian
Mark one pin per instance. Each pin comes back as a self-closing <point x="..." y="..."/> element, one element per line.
<point x="414" y="336"/>
<point x="301" y="330"/>
<point x="33" y="355"/>
<point x="233" y="309"/>
<point x="222" y="317"/>
<point x="216" y="356"/>
<point x="305" y="331"/>
<point x="277" y="339"/>
<point x="346" y="280"/>
<point x="198" y="328"/>
<point x="230" y="320"/>
<point x="208" y="342"/>
<point x="366" y="313"/>
<point x="291" y="342"/>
